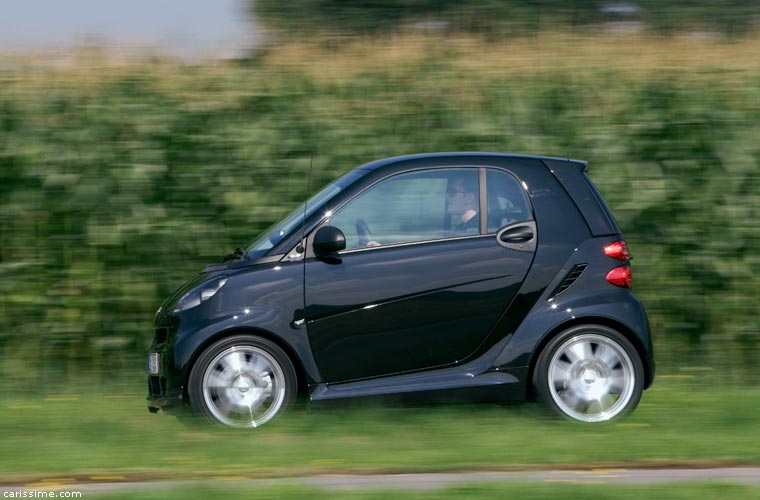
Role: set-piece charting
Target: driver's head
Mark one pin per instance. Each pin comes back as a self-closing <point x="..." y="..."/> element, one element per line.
<point x="460" y="195"/>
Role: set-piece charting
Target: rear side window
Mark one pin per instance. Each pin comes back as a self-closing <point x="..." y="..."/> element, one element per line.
<point x="506" y="200"/>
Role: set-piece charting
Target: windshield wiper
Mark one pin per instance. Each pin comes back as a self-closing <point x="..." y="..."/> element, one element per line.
<point x="238" y="254"/>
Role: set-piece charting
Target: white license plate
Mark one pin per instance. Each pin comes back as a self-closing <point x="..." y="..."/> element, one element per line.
<point x="153" y="363"/>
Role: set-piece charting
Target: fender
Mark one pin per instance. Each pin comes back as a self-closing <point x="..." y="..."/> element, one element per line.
<point x="265" y="298"/>
<point x="608" y="307"/>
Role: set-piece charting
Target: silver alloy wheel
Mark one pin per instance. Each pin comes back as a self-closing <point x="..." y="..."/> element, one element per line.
<point x="244" y="386"/>
<point x="591" y="378"/>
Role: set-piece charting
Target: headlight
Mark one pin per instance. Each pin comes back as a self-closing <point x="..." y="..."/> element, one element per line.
<point x="197" y="295"/>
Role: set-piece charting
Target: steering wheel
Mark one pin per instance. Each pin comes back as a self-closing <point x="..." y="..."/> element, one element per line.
<point x="362" y="229"/>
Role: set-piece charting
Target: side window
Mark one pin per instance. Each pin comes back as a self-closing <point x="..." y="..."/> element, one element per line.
<point x="416" y="206"/>
<point x="506" y="200"/>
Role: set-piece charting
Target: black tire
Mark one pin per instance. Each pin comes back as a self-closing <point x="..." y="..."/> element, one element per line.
<point x="242" y="381"/>
<point x="589" y="373"/>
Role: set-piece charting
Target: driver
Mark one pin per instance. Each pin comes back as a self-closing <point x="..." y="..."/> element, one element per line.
<point x="365" y="237"/>
<point x="462" y="206"/>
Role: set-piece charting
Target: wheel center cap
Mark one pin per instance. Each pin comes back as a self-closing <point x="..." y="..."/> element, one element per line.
<point x="589" y="377"/>
<point x="244" y="385"/>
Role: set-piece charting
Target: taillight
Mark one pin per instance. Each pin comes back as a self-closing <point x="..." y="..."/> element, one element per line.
<point x="617" y="250"/>
<point x="620" y="276"/>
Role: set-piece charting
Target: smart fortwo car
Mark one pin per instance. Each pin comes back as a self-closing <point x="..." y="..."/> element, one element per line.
<point x="446" y="276"/>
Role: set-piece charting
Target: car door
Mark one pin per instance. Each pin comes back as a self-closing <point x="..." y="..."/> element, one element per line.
<point x="417" y="286"/>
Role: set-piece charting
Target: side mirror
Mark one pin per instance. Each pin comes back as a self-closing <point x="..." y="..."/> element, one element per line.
<point x="328" y="241"/>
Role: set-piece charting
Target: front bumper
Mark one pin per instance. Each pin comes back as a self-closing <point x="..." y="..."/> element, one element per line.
<point x="160" y="399"/>
<point x="165" y="391"/>
<point x="160" y="395"/>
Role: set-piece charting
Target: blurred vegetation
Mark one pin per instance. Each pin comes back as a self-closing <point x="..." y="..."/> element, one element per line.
<point x="118" y="179"/>
<point x="499" y="18"/>
<point x="683" y="421"/>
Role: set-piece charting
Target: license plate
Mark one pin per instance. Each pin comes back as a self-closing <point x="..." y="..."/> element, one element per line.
<point x="153" y="363"/>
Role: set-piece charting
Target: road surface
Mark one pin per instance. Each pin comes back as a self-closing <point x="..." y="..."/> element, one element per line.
<point x="422" y="481"/>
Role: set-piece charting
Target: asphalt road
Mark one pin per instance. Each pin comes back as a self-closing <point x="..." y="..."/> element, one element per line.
<point x="432" y="481"/>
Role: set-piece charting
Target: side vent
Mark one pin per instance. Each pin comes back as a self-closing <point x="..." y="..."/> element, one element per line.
<point x="569" y="280"/>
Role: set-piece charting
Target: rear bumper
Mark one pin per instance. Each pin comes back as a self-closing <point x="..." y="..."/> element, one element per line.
<point x="650" y="368"/>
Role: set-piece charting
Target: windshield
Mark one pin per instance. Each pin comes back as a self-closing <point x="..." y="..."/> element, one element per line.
<point x="277" y="232"/>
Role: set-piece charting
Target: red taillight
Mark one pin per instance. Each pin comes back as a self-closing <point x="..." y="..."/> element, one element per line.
<point x="620" y="276"/>
<point x="617" y="250"/>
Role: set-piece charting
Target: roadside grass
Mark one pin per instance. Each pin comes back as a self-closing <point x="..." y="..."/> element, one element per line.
<point x="722" y="491"/>
<point x="679" y="421"/>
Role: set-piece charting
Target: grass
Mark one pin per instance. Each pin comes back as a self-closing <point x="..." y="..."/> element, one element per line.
<point x="682" y="421"/>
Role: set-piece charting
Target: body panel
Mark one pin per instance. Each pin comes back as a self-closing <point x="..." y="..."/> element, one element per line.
<point x="590" y="299"/>
<point x="266" y="298"/>
<point x="389" y="310"/>
<point x="585" y="196"/>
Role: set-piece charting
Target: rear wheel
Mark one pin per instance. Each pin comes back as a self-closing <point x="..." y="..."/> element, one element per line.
<point x="242" y="381"/>
<point x="589" y="373"/>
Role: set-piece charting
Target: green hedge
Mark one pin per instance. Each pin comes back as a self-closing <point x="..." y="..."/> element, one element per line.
<point x="507" y="17"/>
<point x="119" y="182"/>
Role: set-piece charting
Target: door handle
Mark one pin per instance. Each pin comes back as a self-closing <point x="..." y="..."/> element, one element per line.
<point x="520" y="234"/>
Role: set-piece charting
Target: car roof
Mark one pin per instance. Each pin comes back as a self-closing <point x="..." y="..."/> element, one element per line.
<point x="373" y="165"/>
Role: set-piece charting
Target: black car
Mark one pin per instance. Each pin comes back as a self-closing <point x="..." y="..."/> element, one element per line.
<point x="447" y="276"/>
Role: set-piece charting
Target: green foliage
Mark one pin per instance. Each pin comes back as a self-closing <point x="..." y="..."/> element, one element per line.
<point x="117" y="184"/>
<point x="506" y="17"/>
<point x="688" y="421"/>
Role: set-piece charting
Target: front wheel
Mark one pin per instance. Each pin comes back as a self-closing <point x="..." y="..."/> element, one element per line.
<point x="589" y="373"/>
<point x="242" y="381"/>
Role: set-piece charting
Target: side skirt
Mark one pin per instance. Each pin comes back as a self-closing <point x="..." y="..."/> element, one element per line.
<point x="448" y="385"/>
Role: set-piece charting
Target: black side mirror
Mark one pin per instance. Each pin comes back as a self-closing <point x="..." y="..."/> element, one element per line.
<point x="328" y="241"/>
